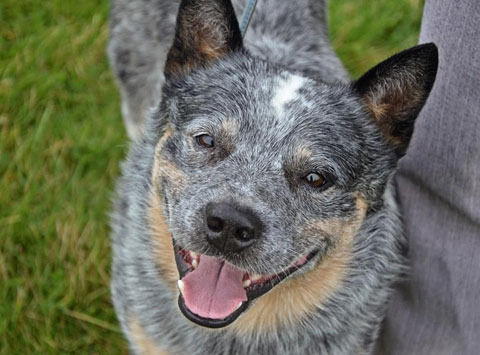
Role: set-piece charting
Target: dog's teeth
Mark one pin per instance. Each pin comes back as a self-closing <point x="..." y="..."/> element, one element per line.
<point x="246" y="283"/>
<point x="239" y="305"/>
<point x="194" y="263"/>
<point x="193" y="255"/>
<point x="255" y="277"/>
<point x="180" y="286"/>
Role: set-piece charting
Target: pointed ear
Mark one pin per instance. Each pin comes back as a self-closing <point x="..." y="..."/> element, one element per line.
<point x="206" y="30"/>
<point x="395" y="91"/>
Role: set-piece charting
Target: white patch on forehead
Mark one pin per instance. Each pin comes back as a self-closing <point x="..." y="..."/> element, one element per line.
<point x="286" y="91"/>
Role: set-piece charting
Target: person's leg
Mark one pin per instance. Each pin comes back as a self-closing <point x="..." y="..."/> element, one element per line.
<point x="438" y="310"/>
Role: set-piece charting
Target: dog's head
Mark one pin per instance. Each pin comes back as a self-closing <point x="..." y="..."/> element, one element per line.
<point x="263" y="175"/>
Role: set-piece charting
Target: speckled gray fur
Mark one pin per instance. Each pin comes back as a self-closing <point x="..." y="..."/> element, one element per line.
<point x="258" y="165"/>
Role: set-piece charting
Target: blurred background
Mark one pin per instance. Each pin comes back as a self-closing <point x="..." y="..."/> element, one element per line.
<point x="61" y="141"/>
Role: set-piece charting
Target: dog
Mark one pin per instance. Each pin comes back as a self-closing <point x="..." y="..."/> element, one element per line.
<point x="256" y="212"/>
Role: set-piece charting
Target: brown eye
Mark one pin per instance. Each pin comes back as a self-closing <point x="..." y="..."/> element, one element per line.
<point x="205" y="140"/>
<point x="315" y="180"/>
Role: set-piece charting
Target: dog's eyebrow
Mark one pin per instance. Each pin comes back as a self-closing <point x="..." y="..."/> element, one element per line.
<point x="297" y="157"/>
<point x="211" y="124"/>
<point x="229" y="126"/>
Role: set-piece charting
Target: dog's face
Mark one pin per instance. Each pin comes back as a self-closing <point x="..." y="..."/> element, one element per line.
<point x="264" y="174"/>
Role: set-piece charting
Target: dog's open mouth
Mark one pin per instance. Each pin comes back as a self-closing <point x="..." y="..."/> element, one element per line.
<point x="213" y="293"/>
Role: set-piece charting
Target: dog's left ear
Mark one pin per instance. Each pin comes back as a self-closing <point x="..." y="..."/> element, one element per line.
<point x="206" y="30"/>
<point x="395" y="91"/>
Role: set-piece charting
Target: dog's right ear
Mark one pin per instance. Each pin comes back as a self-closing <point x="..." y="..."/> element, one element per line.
<point x="206" y="30"/>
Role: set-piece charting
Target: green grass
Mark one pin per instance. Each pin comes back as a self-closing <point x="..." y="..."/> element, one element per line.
<point x="365" y="32"/>
<point x="61" y="140"/>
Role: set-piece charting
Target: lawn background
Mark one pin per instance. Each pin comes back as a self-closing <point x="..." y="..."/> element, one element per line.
<point x="61" y="141"/>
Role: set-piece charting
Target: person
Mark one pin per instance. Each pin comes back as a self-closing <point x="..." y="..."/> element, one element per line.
<point x="437" y="309"/>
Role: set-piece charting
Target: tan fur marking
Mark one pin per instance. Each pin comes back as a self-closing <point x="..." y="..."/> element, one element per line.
<point x="142" y="342"/>
<point x="381" y="111"/>
<point x="378" y="110"/>
<point x="230" y="130"/>
<point x="203" y="44"/>
<point x="290" y="302"/>
<point x="208" y="52"/>
<point x="163" y="246"/>
<point x="230" y="127"/>
<point x="303" y="153"/>
<point x="156" y="166"/>
<point x="388" y="108"/>
<point x="165" y="168"/>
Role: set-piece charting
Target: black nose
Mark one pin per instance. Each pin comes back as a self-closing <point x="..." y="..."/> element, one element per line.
<point x="231" y="228"/>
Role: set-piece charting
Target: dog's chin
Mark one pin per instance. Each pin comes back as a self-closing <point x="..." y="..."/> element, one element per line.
<point x="214" y="293"/>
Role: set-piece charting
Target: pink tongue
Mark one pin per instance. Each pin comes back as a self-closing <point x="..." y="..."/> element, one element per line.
<point x="214" y="289"/>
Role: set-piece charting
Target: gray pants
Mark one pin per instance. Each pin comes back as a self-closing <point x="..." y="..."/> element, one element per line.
<point x="438" y="310"/>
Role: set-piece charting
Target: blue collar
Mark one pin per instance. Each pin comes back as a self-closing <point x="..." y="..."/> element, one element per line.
<point x="247" y="16"/>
